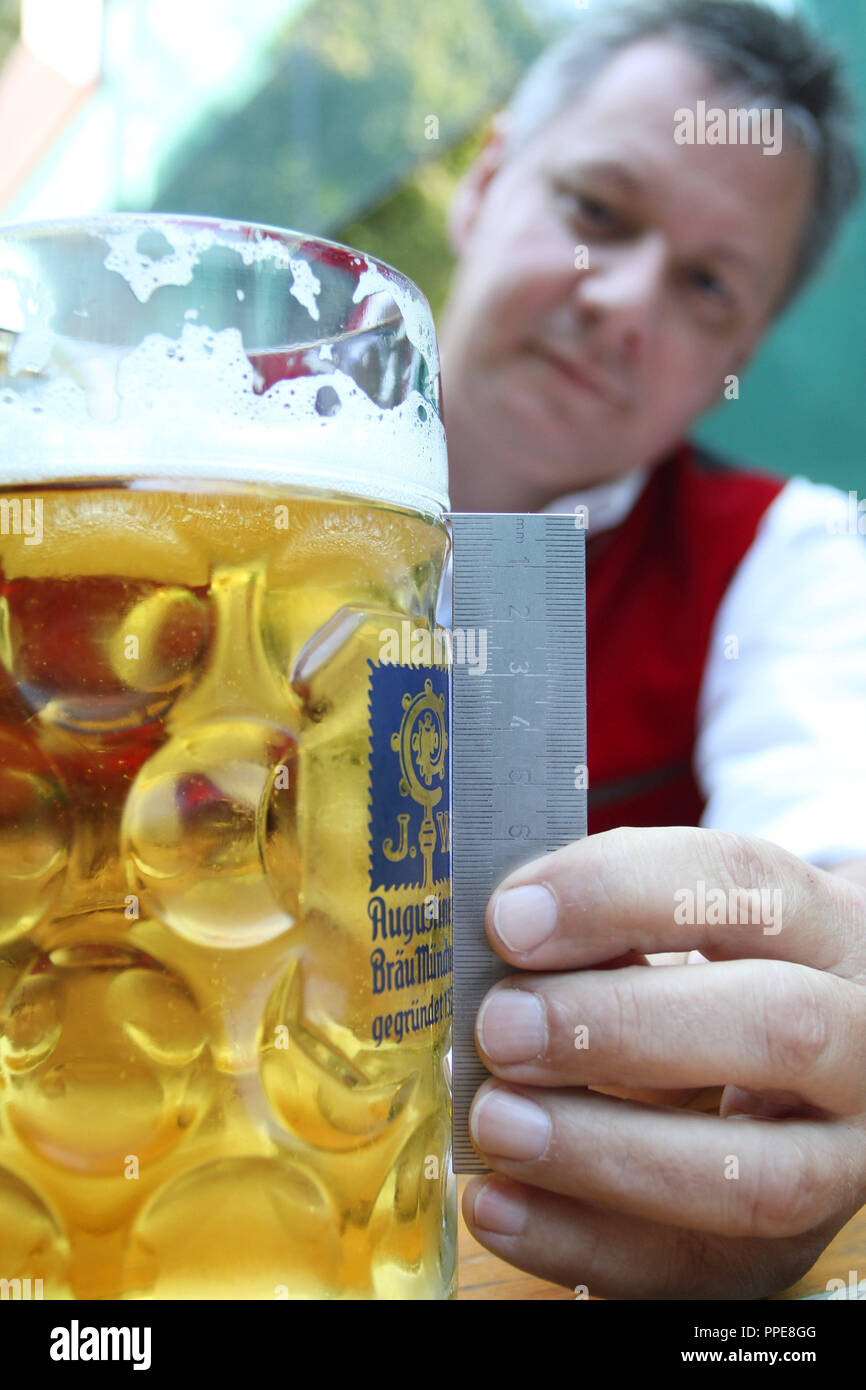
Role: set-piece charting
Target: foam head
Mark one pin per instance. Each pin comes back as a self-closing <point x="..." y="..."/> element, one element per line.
<point x="149" y="346"/>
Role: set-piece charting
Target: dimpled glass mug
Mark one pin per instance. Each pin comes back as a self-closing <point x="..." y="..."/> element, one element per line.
<point x="225" y="914"/>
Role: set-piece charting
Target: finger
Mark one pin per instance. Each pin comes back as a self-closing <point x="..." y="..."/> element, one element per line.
<point x="739" y="1176"/>
<point x="660" y="889"/>
<point x="760" y="1025"/>
<point x="702" y="1097"/>
<point x="601" y="1253"/>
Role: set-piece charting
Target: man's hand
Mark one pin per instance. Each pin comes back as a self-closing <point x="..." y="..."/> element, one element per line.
<point x="638" y="1200"/>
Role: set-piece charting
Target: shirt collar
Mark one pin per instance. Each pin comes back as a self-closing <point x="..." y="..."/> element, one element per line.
<point x="606" y="504"/>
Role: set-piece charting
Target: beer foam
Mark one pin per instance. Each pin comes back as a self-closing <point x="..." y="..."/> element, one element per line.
<point x="189" y="408"/>
<point x="416" y="318"/>
<point x="144" y="273"/>
<point x="192" y="408"/>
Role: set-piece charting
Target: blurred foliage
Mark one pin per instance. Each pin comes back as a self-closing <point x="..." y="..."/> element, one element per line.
<point x="10" y="26"/>
<point x="409" y="229"/>
<point x="344" y="118"/>
<point x="445" y="54"/>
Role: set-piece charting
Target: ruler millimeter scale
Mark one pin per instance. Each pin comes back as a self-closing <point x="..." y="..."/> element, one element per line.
<point x="518" y="740"/>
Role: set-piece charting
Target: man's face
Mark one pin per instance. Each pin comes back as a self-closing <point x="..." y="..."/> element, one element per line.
<point x="581" y="374"/>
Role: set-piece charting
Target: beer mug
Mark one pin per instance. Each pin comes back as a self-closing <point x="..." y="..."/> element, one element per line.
<point x="225" y="914"/>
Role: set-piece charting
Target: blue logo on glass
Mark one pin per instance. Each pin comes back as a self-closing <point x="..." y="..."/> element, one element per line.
<point x="410" y="801"/>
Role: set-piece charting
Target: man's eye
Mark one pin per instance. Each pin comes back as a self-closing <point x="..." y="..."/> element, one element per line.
<point x="593" y="210"/>
<point x="708" y="283"/>
<point x="588" y="209"/>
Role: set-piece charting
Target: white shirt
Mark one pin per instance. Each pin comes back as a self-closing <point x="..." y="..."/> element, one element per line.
<point x="781" y="744"/>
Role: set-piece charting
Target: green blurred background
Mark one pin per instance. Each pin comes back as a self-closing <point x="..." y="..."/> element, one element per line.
<point x="354" y="119"/>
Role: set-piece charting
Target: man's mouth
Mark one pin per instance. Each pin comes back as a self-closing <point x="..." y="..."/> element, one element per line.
<point x="580" y="375"/>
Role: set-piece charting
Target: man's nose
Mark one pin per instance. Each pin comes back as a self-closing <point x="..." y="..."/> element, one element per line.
<point x="620" y="292"/>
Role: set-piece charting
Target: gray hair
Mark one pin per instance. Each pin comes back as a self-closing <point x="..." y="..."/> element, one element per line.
<point x="747" y="46"/>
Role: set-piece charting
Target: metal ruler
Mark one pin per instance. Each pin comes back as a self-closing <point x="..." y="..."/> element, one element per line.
<point x="518" y="740"/>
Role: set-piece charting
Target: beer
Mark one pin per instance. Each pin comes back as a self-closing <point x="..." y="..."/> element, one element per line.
<point x="224" y="899"/>
<point x="225" y="932"/>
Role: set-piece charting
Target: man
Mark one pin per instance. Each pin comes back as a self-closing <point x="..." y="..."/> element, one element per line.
<point x="614" y="273"/>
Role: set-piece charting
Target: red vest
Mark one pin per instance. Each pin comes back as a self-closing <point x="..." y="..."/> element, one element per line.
<point x="654" y="585"/>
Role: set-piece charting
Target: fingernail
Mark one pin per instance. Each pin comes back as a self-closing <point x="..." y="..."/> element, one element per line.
<point x="500" y="1209"/>
<point x="524" y="917"/>
<point x="511" y="1026"/>
<point x="509" y="1126"/>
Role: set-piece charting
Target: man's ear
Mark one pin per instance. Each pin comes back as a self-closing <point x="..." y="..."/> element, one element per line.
<point x="470" y="191"/>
